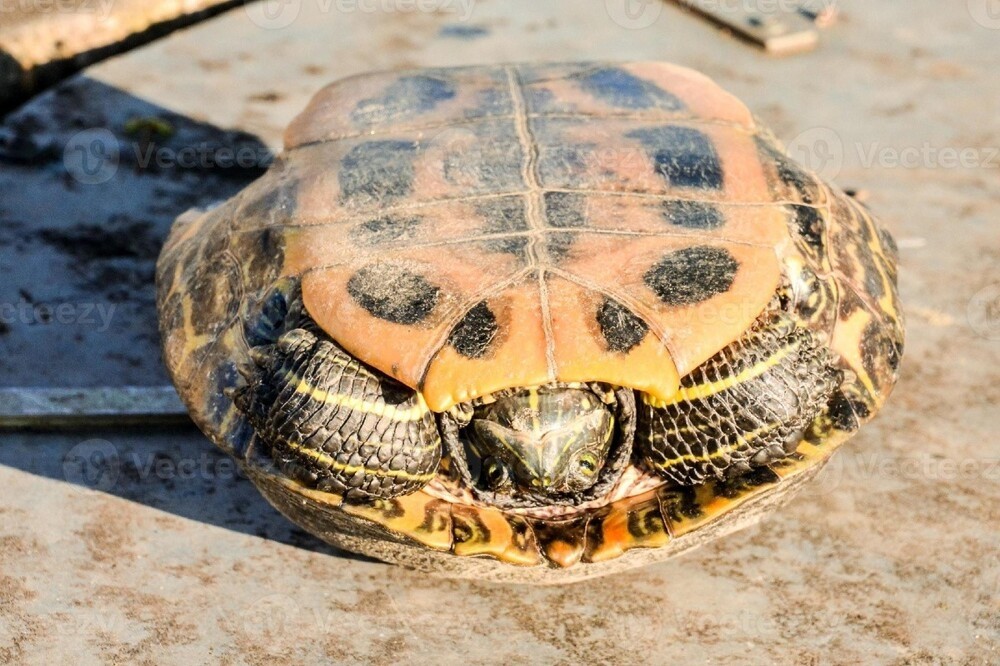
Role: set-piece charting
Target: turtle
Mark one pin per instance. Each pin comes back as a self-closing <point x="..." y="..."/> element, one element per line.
<point x="530" y="322"/>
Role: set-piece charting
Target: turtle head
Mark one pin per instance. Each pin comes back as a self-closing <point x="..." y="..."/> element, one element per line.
<point x="545" y="440"/>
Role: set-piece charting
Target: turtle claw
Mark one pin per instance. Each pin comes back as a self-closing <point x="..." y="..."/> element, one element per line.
<point x="292" y="339"/>
<point x="245" y="371"/>
<point x="260" y="355"/>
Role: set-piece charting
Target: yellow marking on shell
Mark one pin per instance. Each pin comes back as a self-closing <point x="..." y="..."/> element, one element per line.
<point x="192" y="339"/>
<point x="483" y="531"/>
<point x="332" y="463"/>
<point x="419" y="516"/>
<point x="414" y="413"/>
<point x="611" y="536"/>
<point x="854" y="327"/>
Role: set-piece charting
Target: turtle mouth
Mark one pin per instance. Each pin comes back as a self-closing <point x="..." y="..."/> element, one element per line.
<point x="557" y="445"/>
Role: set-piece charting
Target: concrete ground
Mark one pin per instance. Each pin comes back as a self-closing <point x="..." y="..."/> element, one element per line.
<point x="148" y="547"/>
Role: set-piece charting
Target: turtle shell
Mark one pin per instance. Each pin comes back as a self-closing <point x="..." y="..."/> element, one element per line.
<point x="474" y="229"/>
<point x="511" y="227"/>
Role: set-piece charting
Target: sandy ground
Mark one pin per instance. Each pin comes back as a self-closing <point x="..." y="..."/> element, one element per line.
<point x="147" y="546"/>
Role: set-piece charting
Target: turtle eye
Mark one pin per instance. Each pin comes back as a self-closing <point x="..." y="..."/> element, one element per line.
<point x="587" y="463"/>
<point x="495" y="473"/>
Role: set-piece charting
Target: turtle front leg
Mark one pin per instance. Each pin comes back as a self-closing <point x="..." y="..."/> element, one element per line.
<point x="745" y="407"/>
<point x="333" y="424"/>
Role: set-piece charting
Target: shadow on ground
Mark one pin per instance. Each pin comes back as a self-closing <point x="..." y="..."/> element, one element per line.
<point x="174" y="470"/>
<point x="92" y="181"/>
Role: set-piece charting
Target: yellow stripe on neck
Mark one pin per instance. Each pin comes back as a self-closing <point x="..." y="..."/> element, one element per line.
<point x="413" y="413"/>
<point x="331" y="463"/>
<point x="699" y="391"/>
<point x="721" y="451"/>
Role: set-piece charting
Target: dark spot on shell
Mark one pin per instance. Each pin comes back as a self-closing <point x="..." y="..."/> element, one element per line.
<point x="692" y="275"/>
<point x="622" y="329"/>
<point x="214" y="288"/>
<point x="560" y="163"/>
<point x="517" y="246"/>
<point x="505" y="215"/>
<point x="693" y="214"/>
<point x="270" y="320"/>
<point x="846" y="414"/>
<point x="273" y="206"/>
<point x="848" y="304"/>
<point x="790" y="172"/>
<point x="385" y="229"/>
<point x="491" y="102"/>
<point x="623" y="89"/>
<point x="481" y="158"/>
<point x="539" y="99"/>
<point x="809" y="224"/>
<point x="393" y="293"/>
<point x="405" y="98"/>
<point x="565" y="210"/>
<point x="889" y="244"/>
<point x="880" y="353"/>
<point x="680" y="504"/>
<point x="475" y="333"/>
<point x="684" y="156"/>
<point x="266" y="259"/>
<point x="379" y="170"/>
<point x="222" y="376"/>
<point x="559" y="245"/>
